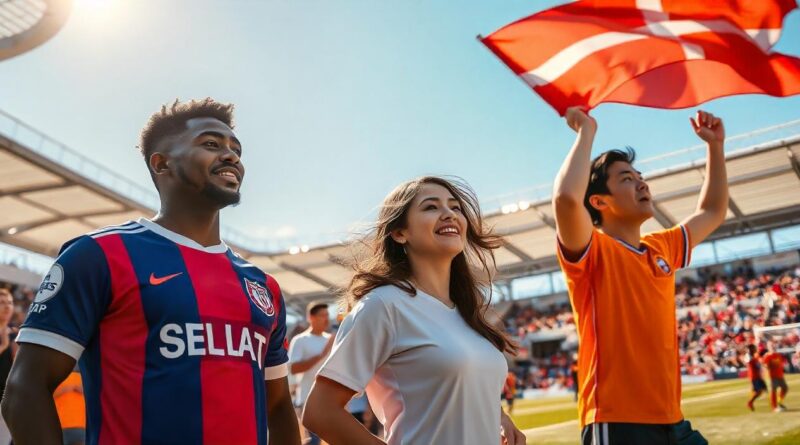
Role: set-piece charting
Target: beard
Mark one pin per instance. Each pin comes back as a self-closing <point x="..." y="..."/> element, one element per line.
<point x="219" y="195"/>
<point x="222" y="196"/>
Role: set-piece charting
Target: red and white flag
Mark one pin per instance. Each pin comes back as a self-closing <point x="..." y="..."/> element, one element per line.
<point x="654" y="53"/>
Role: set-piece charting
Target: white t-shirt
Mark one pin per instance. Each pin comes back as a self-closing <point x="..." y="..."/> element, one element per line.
<point x="302" y="347"/>
<point x="430" y="378"/>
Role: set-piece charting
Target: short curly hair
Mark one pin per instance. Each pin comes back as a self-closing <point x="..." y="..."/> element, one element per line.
<point x="171" y="120"/>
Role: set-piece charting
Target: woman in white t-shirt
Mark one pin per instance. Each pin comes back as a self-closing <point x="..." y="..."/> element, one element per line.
<point x="417" y="339"/>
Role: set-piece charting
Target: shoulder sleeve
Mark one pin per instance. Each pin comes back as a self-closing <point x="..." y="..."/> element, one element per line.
<point x="364" y="342"/>
<point x="71" y="300"/>
<point x="576" y="268"/>
<point x="275" y="366"/>
<point x="674" y="243"/>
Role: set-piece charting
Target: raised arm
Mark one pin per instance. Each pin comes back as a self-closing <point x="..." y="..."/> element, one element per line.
<point x="573" y="223"/>
<point x="28" y="405"/>
<point x="712" y="206"/>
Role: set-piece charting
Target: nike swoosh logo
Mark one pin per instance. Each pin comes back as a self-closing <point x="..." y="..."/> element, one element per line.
<point x="155" y="281"/>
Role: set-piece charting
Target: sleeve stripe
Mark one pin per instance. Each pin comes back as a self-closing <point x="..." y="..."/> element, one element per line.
<point x="686" y="248"/>
<point x="276" y="372"/>
<point x="51" y="340"/>
<point x="583" y="255"/>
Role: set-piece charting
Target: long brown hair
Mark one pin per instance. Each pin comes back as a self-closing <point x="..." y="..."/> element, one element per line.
<point x="385" y="262"/>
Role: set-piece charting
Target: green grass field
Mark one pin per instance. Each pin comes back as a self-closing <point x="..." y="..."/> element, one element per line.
<point x="716" y="409"/>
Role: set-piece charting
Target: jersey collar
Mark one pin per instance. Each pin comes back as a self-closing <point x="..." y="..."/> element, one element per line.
<point x="180" y="239"/>
<point x="640" y="250"/>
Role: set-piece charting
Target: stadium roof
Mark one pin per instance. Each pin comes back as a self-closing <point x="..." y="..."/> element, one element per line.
<point x="26" y="24"/>
<point x="50" y="194"/>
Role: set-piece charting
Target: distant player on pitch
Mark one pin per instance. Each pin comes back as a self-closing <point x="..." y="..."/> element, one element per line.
<point x="774" y="362"/>
<point x="759" y="386"/>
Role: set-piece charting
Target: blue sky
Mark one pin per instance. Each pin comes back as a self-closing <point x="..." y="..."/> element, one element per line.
<point x="337" y="102"/>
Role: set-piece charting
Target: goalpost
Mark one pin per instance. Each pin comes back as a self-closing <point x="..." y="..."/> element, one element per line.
<point x="785" y="336"/>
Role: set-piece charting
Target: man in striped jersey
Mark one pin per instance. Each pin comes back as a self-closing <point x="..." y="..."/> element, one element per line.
<point x="179" y="340"/>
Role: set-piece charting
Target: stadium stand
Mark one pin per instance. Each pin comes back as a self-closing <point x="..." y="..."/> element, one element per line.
<point x="716" y="320"/>
<point x="26" y="24"/>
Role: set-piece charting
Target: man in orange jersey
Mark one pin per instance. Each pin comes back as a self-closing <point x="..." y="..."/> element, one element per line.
<point x="774" y="362"/>
<point x="622" y="285"/>
<point x="754" y="373"/>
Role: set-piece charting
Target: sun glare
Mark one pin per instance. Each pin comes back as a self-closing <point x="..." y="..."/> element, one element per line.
<point x="95" y="8"/>
<point x="95" y="16"/>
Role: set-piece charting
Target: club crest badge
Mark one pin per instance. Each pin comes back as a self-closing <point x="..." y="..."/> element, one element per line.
<point x="664" y="265"/>
<point x="260" y="296"/>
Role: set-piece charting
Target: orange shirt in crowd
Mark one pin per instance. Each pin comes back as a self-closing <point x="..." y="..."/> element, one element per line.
<point x="69" y="403"/>
<point x="510" y="388"/>
<point x="774" y="363"/>
<point x="623" y="299"/>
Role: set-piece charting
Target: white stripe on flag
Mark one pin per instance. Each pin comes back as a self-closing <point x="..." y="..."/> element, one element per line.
<point x="676" y="28"/>
<point x="764" y="38"/>
<point x="567" y="58"/>
<point x="672" y="29"/>
<point x="649" y="5"/>
<point x="652" y="10"/>
<point x="692" y="51"/>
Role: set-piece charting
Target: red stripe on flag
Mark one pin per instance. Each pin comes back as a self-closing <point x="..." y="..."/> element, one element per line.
<point x="227" y="385"/>
<point x="123" y="335"/>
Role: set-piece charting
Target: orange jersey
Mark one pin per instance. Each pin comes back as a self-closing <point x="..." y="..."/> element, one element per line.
<point x="623" y="299"/>
<point x="510" y="388"/>
<point x="774" y="363"/>
<point x="70" y="405"/>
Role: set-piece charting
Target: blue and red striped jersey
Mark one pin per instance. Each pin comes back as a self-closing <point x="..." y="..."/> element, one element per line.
<point x="174" y="339"/>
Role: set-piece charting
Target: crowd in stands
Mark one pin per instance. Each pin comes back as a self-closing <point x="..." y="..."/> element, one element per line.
<point x="23" y="298"/>
<point x="719" y="316"/>
<point x="716" y="317"/>
<point x="529" y="320"/>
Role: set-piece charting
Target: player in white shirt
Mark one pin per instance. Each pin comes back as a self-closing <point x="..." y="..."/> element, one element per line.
<point x="307" y="351"/>
<point x="417" y="340"/>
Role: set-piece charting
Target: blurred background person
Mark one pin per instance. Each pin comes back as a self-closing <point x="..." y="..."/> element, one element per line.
<point x="7" y="350"/>
<point x="71" y="409"/>
<point x="307" y="351"/>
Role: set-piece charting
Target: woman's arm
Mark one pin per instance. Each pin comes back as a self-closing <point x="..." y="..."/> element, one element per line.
<point x="509" y="433"/>
<point x="326" y="416"/>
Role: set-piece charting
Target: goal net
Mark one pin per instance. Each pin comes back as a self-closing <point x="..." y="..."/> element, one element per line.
<point x="786" y="337"/>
